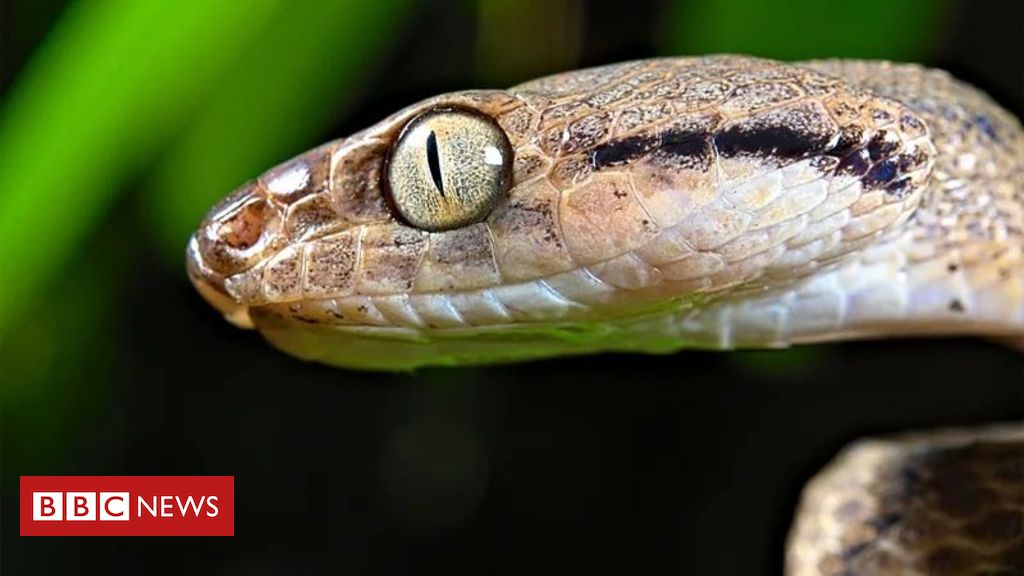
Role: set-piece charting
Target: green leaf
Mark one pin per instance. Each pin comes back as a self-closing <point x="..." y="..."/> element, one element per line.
<point x="111" y="83"/>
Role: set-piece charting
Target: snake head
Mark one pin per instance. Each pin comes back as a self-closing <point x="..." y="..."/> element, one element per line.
<point x="328" y="223"/>
<point x="590" y="210"/>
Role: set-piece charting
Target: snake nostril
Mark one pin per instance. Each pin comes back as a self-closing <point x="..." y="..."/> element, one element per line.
<point x="235" y="232"/>
<point x="241" y="230"/>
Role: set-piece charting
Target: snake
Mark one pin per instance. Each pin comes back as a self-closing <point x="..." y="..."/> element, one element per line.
<point x="715" y="203"/>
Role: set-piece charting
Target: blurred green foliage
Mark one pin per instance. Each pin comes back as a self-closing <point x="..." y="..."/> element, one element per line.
<point x="108" y="88"/>
<point x="795" y="29"/>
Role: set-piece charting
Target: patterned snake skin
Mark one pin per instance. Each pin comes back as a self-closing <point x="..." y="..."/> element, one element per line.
<point x="715" y="202"/>
<point x="943" y="503"/>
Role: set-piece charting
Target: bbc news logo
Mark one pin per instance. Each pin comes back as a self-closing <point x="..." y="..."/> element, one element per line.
<point x="127" y="505"/>
<point x="114" y="506"/>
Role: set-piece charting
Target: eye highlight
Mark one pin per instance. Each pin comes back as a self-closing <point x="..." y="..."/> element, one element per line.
<point x="448" y="169"/>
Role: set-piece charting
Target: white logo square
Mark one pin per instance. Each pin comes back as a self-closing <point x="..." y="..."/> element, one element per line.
<point x="114" y="506"/>
<point x="47" y="506"/>
<point x="80" y="506"/>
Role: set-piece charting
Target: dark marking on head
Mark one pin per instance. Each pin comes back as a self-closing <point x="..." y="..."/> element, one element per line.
<point x="911" y="125"/>
<point x="686" y="147"/>
<point x="850" y="139"/>
<point x="955" y="305"/>
<point x="622" y="151"/>
<point x="684" y="144"/>
<point x="773" y="141"/>
<point x="854" y="164"/>
<point x="909" y="162"/>
<point x="880" y="146"/>
<point x="879" y="174"/>
<point x="881" y="116"/>
<point x="898" y="188"/>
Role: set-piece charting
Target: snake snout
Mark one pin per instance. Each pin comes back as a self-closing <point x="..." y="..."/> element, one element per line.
<point x="236" y="233"/>
<point x="235" y="236"/>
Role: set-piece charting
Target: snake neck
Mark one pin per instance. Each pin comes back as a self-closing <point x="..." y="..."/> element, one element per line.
<point x="956" y="267"/>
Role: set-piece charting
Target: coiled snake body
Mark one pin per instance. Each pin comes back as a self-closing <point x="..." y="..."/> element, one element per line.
<point x="715" y="202"/>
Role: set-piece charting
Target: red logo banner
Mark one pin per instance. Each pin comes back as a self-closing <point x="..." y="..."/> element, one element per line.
<point x="127" y="506"/>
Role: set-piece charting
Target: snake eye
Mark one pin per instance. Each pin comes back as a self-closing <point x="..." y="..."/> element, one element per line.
<point x="448" y="169"/>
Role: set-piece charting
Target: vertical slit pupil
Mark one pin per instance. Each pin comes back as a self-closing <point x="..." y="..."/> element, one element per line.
<point x="434" y="162"/>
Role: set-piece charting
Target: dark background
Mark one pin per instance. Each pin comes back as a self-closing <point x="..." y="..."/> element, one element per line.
<point x="690" y="463"/>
